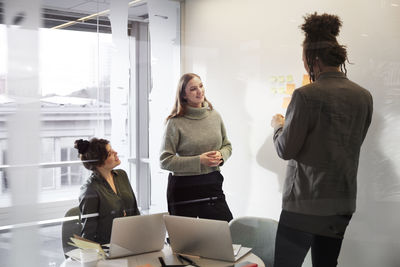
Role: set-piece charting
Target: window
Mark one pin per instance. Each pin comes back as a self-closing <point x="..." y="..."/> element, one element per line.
<point x="3" y="175"/>
<point x="71" y="175"/>
<point x="80" y="97"/>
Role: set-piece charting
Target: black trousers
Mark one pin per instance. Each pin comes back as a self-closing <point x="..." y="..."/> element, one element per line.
<point x="198" y="196"/>
<point x="292" y="245"/>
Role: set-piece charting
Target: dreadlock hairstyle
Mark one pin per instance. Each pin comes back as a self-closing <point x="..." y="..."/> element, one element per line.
<point x="320" y="42"/>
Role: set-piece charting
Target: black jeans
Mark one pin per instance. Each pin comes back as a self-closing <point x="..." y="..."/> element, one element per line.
<point x="291" y="247"/>
<point x="198" y="196"/>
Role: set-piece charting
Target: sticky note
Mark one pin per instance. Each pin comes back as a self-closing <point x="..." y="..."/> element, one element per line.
<point x="290" y="88"/>
<point x="273" y="79"/>
<point x="306" y="79"/>
<point x="286" y="102"/>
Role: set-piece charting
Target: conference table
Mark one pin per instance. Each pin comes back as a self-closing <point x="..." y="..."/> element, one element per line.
<point x="169" y="258"/>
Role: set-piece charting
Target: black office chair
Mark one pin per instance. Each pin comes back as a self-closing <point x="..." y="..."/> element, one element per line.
<point x="70" y="227"/>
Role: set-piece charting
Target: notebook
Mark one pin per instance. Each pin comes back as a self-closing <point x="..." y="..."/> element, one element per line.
<point x="133" y="235"/>
<point x="202" y="237"/>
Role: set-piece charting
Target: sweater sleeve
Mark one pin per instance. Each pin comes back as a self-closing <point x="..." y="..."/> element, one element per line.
<point x="290" y="138"/>
<point x="169" y="160"/>
<point x="226" y="148"/>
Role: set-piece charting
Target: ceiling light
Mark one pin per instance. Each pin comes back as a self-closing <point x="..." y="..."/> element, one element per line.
<point x="101" y="13"/>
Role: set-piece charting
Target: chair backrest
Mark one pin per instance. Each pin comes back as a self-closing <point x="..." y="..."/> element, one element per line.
<point x="257" y="233"/>
<point x="70" y="227"/>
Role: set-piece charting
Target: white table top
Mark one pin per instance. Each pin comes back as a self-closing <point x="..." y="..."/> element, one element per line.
<point x="169" y="258"/>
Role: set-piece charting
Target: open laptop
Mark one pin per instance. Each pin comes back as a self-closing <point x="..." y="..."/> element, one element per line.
<point x="133" y="235"/>
<point x="202" y="237"/>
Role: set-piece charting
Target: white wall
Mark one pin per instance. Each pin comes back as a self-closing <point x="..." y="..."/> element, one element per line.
<point x="238" y="46"/>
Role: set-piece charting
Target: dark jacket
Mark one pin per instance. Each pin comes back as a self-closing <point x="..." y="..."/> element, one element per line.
<point x="325" y="125"/>
<point x="98" y="197"/>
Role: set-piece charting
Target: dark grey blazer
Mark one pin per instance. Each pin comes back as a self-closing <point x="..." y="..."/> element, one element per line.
<point x="326" y="123"/>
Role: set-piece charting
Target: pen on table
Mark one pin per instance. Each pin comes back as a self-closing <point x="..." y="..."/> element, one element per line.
<point x="162" y="261"/>
<point x="187" y="259"/>
<point x="180" y="259"/>
<point x="187" y="255"/>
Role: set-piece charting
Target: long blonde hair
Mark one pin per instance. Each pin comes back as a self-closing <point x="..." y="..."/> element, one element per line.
<point x="179" y="108"/>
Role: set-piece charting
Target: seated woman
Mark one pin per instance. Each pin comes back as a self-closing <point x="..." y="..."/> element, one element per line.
<point x="107" y="192"/>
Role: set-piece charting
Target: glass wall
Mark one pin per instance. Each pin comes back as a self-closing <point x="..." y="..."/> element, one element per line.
<point x="67" y="71"/>
<point x="249" y="55"/>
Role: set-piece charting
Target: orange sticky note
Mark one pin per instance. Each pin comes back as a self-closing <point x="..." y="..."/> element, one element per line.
<point x="286" y="101"/>
<point x="306" y="79"/>
<point x="289" y="88"/>
<point x="146" y="265"/>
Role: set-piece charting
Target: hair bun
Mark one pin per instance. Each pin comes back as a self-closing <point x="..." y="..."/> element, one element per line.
<point x="321" y="27"/>
<point x="82" y="145"/>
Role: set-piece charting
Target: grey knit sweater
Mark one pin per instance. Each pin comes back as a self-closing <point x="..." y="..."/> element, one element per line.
<point x="199" y="130"/>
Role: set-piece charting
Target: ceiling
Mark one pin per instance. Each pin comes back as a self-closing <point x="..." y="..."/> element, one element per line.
<point x="138" y="11"/>
<point x="62" y="12"/>
<point x="59" y="13"/>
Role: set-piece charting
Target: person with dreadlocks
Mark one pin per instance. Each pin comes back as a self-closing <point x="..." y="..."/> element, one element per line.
<point x="321" y="136"/>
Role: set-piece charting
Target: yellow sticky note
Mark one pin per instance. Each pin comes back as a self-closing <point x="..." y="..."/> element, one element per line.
<point x="281" y="79"/>
<point x="290" y="88"/>
<point x="273" y="79"/>
<point x="289" y="78"/>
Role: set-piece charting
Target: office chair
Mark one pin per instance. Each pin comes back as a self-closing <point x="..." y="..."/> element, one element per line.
<point x="259" y="234"/>
<point x="69" y="228"/>
<point x="256" y="233"/>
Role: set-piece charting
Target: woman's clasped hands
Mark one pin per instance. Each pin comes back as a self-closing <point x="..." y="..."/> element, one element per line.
<point x="211" y="158"/>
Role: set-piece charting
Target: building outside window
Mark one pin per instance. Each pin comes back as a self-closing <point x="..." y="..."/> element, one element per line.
<point x="76" y="102"/>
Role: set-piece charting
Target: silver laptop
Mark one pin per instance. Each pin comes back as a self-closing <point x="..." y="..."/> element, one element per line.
<point x="202" y="237"/>
<point x="137" y="234"/>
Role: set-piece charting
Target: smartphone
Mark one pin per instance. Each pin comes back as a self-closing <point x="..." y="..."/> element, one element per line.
<point x="244" y="264"/>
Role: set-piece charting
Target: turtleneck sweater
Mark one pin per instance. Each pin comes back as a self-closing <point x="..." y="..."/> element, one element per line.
<point x="187" y="137"/>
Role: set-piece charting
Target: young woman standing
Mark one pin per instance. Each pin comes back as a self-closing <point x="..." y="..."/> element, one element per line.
<point x="194" y="148"/>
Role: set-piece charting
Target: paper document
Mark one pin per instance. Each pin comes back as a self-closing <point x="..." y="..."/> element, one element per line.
<point x="84" y="243"/>
<point x="75" y="254"/>
<point x="236" y="249"/>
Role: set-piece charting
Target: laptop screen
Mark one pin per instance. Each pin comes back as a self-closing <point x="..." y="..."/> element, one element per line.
<point x="133" y="235"/>
<point x="200" y="237"/>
